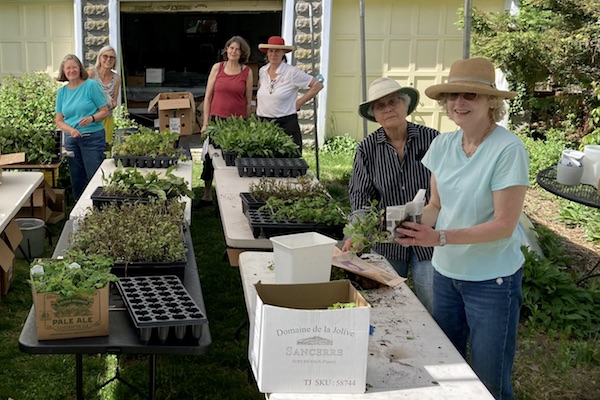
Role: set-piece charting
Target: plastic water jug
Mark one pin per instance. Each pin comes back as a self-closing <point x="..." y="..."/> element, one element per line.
<point x="570" y="167"/>
<point x="591" y="162"/>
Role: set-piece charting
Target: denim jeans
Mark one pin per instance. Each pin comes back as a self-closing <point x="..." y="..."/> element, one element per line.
<point x="88" y="154"/>
<point x="485" y="315"/>
<point x="422" y="276"/>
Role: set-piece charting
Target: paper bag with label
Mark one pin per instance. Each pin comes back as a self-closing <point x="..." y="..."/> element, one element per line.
<point x="352" y="263"/>
<point x="411" y="211"/>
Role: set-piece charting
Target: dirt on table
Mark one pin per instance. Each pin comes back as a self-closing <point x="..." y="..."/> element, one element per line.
<point x="542" y="209"/>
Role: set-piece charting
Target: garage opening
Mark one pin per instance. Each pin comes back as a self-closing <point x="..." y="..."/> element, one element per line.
<point x="166" y="52"/>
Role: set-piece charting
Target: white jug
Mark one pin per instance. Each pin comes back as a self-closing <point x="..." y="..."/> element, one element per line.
<point x="570" y="167"/>
<point x="591" y="169"/>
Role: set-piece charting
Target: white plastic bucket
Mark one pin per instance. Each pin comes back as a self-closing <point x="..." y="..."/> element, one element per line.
<point x="591" y="165"/>
<point x="302" y="257"/>
<point x="34" y="235"/>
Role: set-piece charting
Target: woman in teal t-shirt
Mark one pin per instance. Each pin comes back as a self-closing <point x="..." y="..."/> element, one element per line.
<point x="479" y="177"/>
<point x="80" y="108"/>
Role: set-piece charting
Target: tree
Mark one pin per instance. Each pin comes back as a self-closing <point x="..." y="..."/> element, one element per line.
<point x="556" y="42"/>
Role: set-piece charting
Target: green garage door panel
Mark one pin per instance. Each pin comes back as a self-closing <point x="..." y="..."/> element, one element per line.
<point x="413" y="42"/>
<point x="34" y="36"/>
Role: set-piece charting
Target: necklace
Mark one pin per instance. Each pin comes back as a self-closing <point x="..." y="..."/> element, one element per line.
<point x="473" y="147"/>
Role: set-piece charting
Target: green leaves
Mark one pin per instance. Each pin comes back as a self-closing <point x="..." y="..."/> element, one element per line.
<point x="252" y="137"/>
<point x="149" y="143"/>
<point x="131" y="182"/>
<point x="60" y="278"/>
<point x="365" y="228"/>
<point x="286" y="189"/>
<point x="319" y="209"/>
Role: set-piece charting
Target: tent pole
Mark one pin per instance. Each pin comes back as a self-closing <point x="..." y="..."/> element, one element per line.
<point x="363" y="61"/>
<point x="467" y="29"/>
<point x="320" y="79"/>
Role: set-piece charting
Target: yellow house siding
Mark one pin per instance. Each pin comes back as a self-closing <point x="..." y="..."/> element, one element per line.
<point x="34" y="36"/>
<point x="412" y="42"/>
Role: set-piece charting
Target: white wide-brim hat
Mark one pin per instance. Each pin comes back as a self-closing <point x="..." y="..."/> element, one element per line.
<point x="380" y="88"/>
<point x="473" y="75"/>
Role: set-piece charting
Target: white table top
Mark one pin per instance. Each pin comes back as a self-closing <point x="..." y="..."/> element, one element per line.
<point x="184" y="170"/>
<point x="409" y="355"/>
<point x="15" y="189"/>
<point x="216" y="155"/>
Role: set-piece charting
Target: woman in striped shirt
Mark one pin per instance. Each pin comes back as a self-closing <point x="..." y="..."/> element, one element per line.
<point x="387" y="168"/>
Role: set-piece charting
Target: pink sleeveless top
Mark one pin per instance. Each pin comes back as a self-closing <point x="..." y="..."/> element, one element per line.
<point x="229" y="95"/>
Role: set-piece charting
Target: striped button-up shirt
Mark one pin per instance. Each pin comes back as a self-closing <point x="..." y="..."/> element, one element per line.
<point x="379" y="173"/>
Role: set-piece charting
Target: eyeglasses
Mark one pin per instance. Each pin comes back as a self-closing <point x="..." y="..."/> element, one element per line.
<point x="105" y="57"/>
<point x="272" y="86"/>
<point x="383" y="105"/>
<point x="466" y="96"/>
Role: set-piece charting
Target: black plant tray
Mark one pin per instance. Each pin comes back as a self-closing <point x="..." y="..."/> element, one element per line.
<point x="249" y="202"/>
<point x="145" y="268"/>
<point x="230" y="157"/>
<point x="271" y="167"/>
<point x="162" y="309"/>
<point x="101" y="199"/>
<point x="262" y="222"/>
<point x="146" y="161"/>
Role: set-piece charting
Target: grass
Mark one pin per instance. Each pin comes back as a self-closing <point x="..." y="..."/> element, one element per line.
<point x="547" y="366"/>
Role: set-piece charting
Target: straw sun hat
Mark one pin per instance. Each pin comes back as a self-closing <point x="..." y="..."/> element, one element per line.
<point x="380" y="88"/>
<point x="473" y="75"/>
<point x="275" y="42"/>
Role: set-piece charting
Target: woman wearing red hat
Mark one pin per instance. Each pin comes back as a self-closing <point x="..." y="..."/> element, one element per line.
<point x="278" y="85"/>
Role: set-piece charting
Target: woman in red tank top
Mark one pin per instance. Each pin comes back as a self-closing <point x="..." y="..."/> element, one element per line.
<point x="228" y="92"/>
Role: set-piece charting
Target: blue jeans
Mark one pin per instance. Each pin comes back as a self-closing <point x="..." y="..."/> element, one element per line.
<point x="422" y="275"/>
<point x="88" y="154"/>
<point x="484" y="314"/>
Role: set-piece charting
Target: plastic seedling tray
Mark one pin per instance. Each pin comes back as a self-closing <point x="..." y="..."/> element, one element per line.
<point x="149" y="268"/>
<point x="271" y="167"/>
<point x="101" y="199"/>
<point x="249" y="202"/>
<point x="145" y="161"/>
<point x="162" y="309"/>
<point x="261" y="222"/>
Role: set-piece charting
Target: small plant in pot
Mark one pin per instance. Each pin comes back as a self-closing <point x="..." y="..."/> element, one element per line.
<point x="366" y="227"/>
<point x="129" y="184"/>
<point x="135" y="235"/>
<point x="149" y="148"/>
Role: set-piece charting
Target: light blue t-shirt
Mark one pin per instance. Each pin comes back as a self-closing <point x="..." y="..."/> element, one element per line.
<point x="82" y="101"/>
<point x="465" y="187"/>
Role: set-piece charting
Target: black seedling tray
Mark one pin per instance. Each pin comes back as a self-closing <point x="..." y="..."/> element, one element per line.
<point x="145" y="161"/>
<point x="271" y="167"/>
<point x="101" y="199"/>
<point x="249" y="202"/>
<point x="162" y="309"/>
<point x="143" y="268"/>
<point x="230" y="157"/>
<point x="262" y="222"/>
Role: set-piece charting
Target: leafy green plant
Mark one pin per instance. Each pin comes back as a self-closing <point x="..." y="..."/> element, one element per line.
<point x="252" y="137"/>
<point x="287" y="189"/>
<point x="131" y="182"/>
<point x="133" y="232"/>
<point x="342" y="144"/>
<point x="75" y="275"/>
<point x="340" y="306"/>
<point x="543" y="153"/>
<point x="27" y="113"/>
<point x="149" y="143"/>
<point x="123" y="119"/>
<point x="366" y="227"/>
<point x="318" y="210"/>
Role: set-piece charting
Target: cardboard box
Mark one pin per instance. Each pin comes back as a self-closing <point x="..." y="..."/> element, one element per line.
<point x="9" y="241"/>
<point x="12" y="158"/>
<point x="176" y="111"/>
<point x="297" y="345"/>
<point x="57" y="318"/>
<point x="135" y="81"/>
<point x="155" y="75"/>
<point x="58" y="207"/>
<point x="43" y="197"/>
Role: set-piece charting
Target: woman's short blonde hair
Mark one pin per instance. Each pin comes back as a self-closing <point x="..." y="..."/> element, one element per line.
<point x="61" y="72"/>
<point x="497" y="110"/>
<point x="101" y="52"/>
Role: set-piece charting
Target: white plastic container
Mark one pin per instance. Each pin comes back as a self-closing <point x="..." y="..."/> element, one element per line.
<point x="591" y="165"/>
<point x="302" y="257"/>
<point x="570" y="167"/>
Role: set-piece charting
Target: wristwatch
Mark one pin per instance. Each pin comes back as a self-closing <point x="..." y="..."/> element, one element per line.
<point x="442" y="238"/>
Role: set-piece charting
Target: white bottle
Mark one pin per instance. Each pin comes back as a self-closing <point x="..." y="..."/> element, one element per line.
<point x="591" y="165"/>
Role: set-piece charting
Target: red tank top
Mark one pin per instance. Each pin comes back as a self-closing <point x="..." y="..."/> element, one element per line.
<point x="229" y="94"/>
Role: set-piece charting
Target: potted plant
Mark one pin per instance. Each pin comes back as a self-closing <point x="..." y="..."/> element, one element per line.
<point x="128" y="184"/>
<point x="70" y="295"/>
<point x="142" y="238"/>
<point x="289" y="190"/>
<point x="366" y="227"/>
<point x="148" y="148"/>
<point x="252" y="138"/>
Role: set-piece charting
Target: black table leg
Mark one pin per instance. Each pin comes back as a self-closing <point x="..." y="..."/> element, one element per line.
<point x="152" y="382"/>
<point x="79" y="375"/>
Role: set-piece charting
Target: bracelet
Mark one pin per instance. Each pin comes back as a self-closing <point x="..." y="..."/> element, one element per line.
<point x="93" y="118"/>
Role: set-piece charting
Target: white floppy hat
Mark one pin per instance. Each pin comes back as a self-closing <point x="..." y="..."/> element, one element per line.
<point x="473" y="75"/>
<point x="381" y="87"/>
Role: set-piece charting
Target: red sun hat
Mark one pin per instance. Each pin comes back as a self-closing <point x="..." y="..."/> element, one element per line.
<point x="275" y="42"/>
